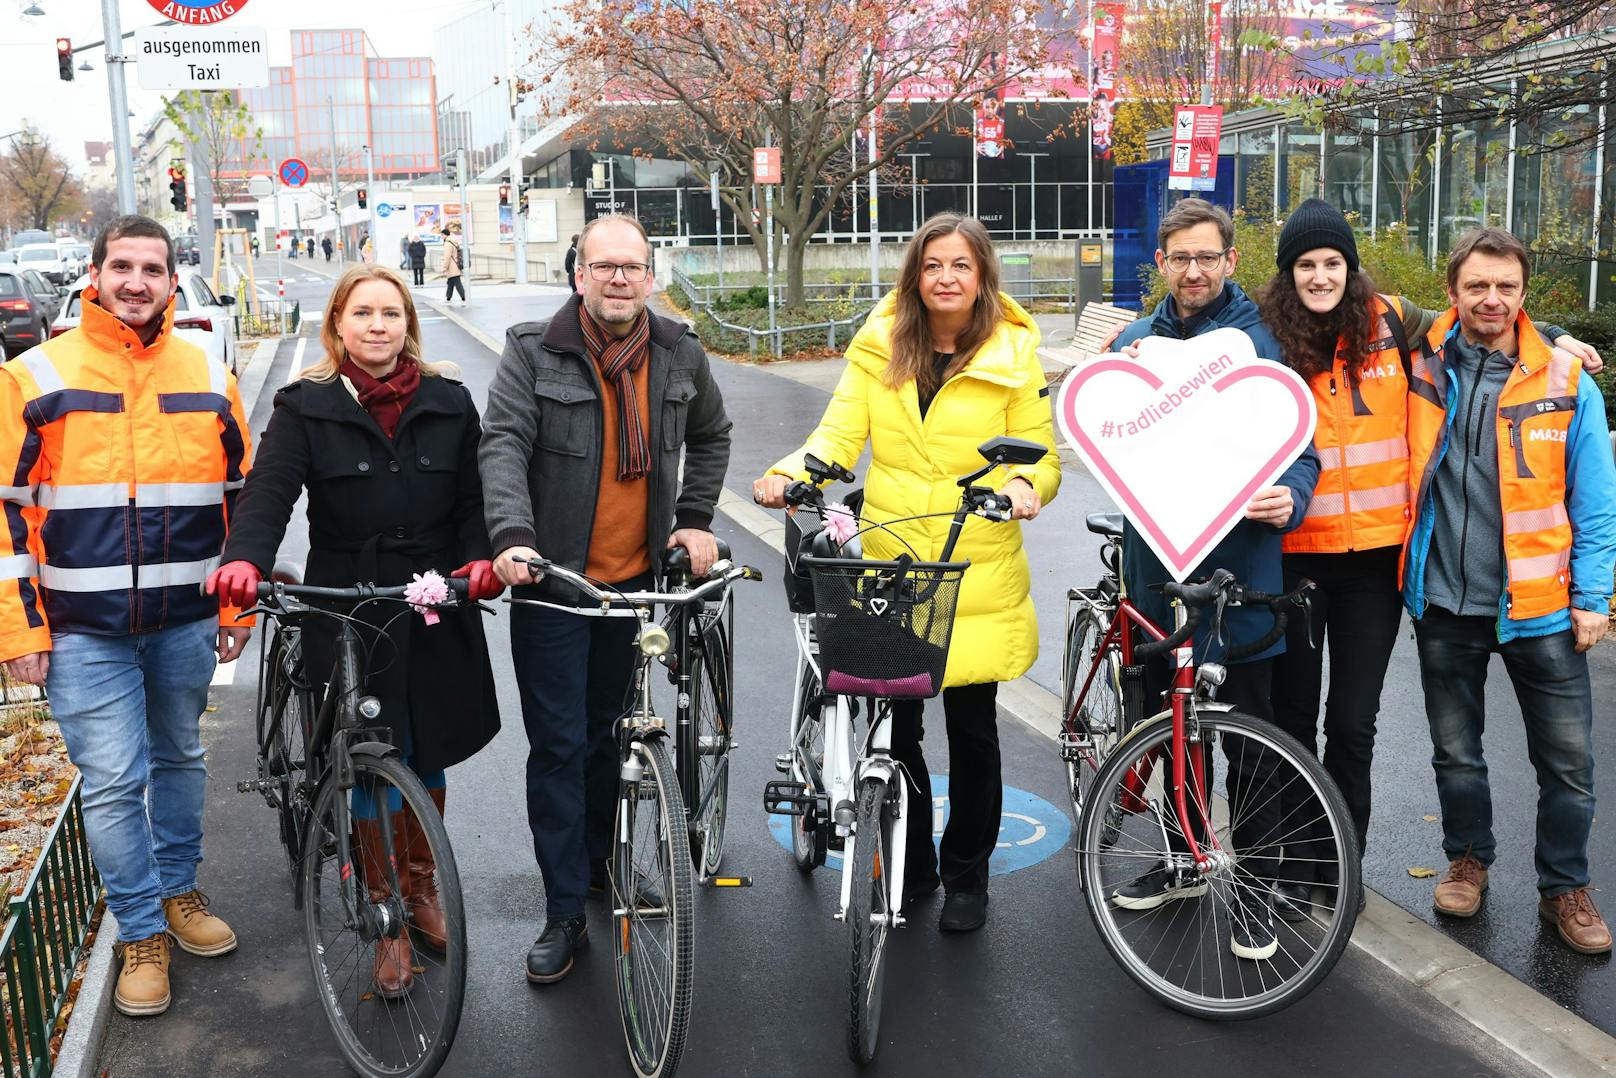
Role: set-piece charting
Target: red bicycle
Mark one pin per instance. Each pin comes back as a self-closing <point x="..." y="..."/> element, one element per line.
<point x="1179" y="859"/>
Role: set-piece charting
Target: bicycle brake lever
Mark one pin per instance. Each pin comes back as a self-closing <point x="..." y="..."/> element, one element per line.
<point x="1218" y="606"/>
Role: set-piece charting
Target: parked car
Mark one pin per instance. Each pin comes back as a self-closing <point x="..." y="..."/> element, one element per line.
<point x="186" y="250"/>
<point x="24" y="313"/>
<point x="28" y="236"/>
<point x="200" y="317"/>
<point x="46" y="260"/>
<point x="75" y="258"/>
<point x="53" y="298"/>
<point x="8" y="258"/>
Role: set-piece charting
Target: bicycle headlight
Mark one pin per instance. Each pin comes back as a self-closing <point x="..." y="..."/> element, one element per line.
<point x="369" y="707"/>
<point x="653" y="640"/>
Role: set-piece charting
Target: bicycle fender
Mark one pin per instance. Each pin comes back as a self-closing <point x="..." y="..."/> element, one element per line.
<point x="378" y="750"/>
<point x="1166" y="716"/>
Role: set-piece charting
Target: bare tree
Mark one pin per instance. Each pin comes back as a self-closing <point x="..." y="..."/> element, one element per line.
<point x="36" y="186"/>
<point x="1163" y="61"/>
<point x="224" y="129"/>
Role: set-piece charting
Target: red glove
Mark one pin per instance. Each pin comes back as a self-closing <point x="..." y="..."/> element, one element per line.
<point x="235" y="583"/>
<point x="484" y="584"/>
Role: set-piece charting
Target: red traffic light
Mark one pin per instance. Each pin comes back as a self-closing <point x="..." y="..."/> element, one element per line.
<point x="64" y="59"/>
<point x="64" y="45"/>
<point x="504" y="194"/>
<point x="175" y="173"/>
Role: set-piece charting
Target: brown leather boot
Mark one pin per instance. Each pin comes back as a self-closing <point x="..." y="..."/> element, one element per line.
<point x="421" y="888"/>
<point x="143" y="982"/>
<point x="1458" y="893"/>
<point x="1577" y="919"/>
<point x="394" y="973"/>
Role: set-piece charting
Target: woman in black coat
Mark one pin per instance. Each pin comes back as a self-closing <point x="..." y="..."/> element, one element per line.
<point x="386" y="447"/>
<point x="417" y="250"/>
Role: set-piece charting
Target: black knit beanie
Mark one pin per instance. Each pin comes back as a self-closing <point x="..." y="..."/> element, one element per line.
<point x="1315" y="223"/>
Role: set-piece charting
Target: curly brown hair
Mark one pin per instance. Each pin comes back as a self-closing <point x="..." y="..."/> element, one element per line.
<point x="1307" y="341"/>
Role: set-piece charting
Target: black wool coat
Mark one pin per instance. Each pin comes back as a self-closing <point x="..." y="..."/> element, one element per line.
<point x="418" y="255"/>
<point x="380" y="510"/>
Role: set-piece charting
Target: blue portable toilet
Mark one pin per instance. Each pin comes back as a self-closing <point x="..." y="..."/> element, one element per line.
<point x="1141" y="199"/>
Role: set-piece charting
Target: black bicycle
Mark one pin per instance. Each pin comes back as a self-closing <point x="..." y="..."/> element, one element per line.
<point x="341" y="792"/>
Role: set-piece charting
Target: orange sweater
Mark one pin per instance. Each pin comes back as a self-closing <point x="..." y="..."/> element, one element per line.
<point x="618" y="549"/>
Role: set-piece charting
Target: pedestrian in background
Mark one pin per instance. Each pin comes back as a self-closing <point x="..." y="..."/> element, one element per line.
<point x="325" y="245"/>
<point x="311" y="247"/>
<point x="572" y="264"/>
<point x="417" y="259"/>
<point x="413" y="502"/>
<point x="452" y="265"/>
<point x="945" y="362"/>
<point x="404" y="251"/>
<point x="119" y="633"/>
<point x="586" y="470"/>
<point x="1513" y="551"/>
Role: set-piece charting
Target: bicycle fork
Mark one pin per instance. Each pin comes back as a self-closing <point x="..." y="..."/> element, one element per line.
<point x="879" y="761"/>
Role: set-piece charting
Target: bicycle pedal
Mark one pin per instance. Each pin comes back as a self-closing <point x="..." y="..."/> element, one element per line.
<point x="782" y="763"/>
<point x="251" y="786"/>
<point x="785" y="798"/>
<point x="729" y="881"/>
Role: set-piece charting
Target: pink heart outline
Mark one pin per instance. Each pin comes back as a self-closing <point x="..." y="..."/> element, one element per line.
<point x="1180" y="561"/>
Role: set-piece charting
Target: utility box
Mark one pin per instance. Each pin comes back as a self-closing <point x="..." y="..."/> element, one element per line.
<point x="1089" y="272"/>
<point x="1015" y="275"/>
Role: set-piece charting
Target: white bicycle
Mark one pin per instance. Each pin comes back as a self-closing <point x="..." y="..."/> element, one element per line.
<point x="875" y="631"/>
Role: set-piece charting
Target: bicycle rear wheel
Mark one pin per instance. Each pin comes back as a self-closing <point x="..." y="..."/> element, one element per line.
<point x="869" y="913"/>
<point x="1094" y="722"/>
<point x="1209" y="944"/>
<point x="653" y="923"/>
<point x="284" y="722"/>
<point x="808" y="832"/>
<point x="408" y="1035"/>
<point x="712" y="702"/>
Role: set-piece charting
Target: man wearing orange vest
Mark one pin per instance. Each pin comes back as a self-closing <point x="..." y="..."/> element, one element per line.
<point x="125" y="447"/>
<point x="1513" y="551"/>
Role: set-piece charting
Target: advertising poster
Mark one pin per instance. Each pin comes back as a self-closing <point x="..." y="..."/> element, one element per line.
<point x="1196" y="131"/>
<point x="427" y="217"/>
<point x="507" y="224"/>
<point x="1107" y="40"/>
<point x="990" y="125"/>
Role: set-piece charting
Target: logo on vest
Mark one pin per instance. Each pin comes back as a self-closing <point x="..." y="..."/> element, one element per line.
<point x="1546" y="406"/>
<point x="1546" y="436"/>
<point x="1383" y="371"/>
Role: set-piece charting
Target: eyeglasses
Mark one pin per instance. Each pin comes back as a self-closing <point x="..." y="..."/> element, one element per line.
<point x="633" y="272"/>
<point x="1207" y="260"/>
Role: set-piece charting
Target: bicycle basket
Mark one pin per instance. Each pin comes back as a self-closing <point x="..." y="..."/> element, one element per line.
<point x="799" y="543"/>
<point x="884" y="626"/>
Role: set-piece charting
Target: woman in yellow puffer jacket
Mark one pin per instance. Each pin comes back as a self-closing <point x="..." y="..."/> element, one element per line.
<point x="944" y="363"/>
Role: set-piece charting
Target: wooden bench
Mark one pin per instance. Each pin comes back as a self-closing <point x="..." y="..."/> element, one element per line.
<point x="1095" y="326"/>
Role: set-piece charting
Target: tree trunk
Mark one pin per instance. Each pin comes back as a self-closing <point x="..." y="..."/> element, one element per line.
<point x="794" y="256"/>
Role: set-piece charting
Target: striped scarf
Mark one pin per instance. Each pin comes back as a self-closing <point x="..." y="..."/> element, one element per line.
<point x="619" y="358"/>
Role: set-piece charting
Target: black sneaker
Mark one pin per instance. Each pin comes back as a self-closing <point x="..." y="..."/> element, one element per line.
<point x="1160" y="885"/>
<point x="1251" y="928"/>
<point x="550" y="957"/>
<point x="1292" y="901"/>
<point x="963" y="912"/>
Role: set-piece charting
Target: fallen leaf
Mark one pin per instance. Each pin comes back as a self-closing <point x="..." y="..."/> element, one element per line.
<point x="1420" y="872"/>
<point x="1430" y="818"/>
<point x="211" y="708"/>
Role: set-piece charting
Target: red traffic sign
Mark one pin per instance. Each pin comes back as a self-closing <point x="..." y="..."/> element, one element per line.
<point x="766" y="164"/>
<point x="197" y="12"/>
<point x="294" y="173"/>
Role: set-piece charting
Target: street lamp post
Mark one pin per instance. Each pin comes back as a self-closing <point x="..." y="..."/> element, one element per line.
<point x="120" y="106"/>
<point x="519" y="231"/>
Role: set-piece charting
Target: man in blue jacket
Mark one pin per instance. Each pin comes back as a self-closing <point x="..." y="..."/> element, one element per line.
<point x="1513" y="551"/>
<point x="1195" y="254"/>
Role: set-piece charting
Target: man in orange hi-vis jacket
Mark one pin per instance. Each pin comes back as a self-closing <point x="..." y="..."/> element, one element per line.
<point x="121" y="450"/>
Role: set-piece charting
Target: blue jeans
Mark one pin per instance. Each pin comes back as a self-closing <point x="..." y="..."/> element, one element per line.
<point x="130" y="708"/>
<point x="1556" y="701"/>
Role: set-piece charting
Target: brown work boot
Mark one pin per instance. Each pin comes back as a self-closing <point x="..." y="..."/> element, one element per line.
<point x="394" y="971"/>
<point x="421" y="886"/>
<point x="1458" y="894"/>
<point x="195" y="929"/>
<point x="1577" y="919"/>
<point x="143" y="982"/>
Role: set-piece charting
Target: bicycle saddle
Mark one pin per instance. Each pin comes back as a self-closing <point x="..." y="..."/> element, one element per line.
<point x="1105" y="524"/>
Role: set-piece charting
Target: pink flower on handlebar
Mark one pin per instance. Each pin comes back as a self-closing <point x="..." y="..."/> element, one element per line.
<point x="425" y="591"/>
<point x="840" y="523"/>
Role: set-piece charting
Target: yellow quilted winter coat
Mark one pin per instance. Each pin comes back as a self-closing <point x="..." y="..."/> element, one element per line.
<point x="914" y="466"/>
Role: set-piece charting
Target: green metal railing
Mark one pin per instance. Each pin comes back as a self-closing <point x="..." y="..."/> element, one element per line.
<point x="43" y="940"/>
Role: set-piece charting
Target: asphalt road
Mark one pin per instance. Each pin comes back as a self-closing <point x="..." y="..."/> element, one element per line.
<point x="1032" y="994"/>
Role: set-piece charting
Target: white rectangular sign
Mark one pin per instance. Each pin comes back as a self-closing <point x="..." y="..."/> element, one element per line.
<point x="184" y="58"/>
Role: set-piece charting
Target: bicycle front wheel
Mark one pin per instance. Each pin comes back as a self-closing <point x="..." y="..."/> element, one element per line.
<point x="808" y="839"/>
<point x="652" y="917"/>
<point x="283" y="736"/>
<point x="712" y="703"/>
<point x="1209" y="943"/>
<point x="869" y="917"/>
<point x="393" y="1005"/>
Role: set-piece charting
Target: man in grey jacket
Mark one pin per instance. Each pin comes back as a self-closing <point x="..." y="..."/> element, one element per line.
<point x="580" y="452"/>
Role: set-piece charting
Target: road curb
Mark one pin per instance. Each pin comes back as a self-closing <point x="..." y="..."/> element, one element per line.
<point x="81" y="1045"/>
<point x="487" y="341"/>
<point x="251" y="384"/>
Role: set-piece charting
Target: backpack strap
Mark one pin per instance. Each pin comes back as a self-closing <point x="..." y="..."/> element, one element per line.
<point x="1394" y="322"/>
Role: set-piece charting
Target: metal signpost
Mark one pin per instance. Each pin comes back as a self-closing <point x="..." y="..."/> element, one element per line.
<point x="264" y="187"/>
<point x="766" y="171"/>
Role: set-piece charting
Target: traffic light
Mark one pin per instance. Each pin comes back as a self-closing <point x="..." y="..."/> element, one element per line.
<point x="504" y="194"/>
<point x="64" y="59"/>
<point x="363" y="195"/>
<point x="176" y="184"/>
<point x="451" y="169"/>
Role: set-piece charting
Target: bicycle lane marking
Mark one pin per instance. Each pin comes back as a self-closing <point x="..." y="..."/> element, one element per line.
<point x="1031" y="829"/>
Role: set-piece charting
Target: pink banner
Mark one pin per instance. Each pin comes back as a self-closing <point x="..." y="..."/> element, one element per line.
<point x="1106" y="43"/>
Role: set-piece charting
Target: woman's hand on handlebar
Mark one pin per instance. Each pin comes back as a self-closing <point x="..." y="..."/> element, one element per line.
<point x="1024" y="501"/>
<point x="511" y="566"/>
<point x="770" y="491"/>
<point x="482" y="582"/>
<point x="235" y="583"/>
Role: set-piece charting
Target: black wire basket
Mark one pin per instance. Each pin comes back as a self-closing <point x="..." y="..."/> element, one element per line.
<point x="884" y="626"/>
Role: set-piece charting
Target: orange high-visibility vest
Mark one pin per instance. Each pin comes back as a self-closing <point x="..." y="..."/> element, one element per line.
<point x="1533" y="419"/>
<point x="1361" y="501"/>
<point x="121" y="460"/>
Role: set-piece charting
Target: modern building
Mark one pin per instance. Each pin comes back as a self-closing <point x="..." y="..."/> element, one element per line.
<point x="473" y="54"/>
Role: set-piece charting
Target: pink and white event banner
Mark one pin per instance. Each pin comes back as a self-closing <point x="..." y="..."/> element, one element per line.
<point x="1183" y="436"/>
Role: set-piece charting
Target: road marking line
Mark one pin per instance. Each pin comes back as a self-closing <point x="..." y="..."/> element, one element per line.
<point x="297" y="357"/>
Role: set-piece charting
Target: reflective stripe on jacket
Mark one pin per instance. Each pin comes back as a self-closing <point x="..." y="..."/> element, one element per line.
<point x="1534" y="417"/>
<point x="1362" y="500"/>
<point x="120" y="462"/>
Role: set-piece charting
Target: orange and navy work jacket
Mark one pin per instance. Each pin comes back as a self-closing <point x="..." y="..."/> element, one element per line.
<point x="119" y="462"/>
<point x="1362" y="498"/>
<point x="1538" y="435"/>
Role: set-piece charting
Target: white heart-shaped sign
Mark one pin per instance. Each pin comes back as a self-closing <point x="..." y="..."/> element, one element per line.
<point x="878" y="606"/>
<point x="1182" y="437"/>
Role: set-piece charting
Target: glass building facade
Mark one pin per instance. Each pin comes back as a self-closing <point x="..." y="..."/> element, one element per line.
<point x="337" y="86"/>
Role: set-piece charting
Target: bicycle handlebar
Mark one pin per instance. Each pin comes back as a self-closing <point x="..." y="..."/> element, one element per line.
<point x="1220" y="591"/>
<point x="730" y="573"/>
<point x="459" y="588"/>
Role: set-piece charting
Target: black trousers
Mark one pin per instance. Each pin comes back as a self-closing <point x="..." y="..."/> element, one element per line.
<point x="975" y="788"/>
<point x="420" y="274"/>
<point x="455" y="284"/>
<point x="1356" y="612"/>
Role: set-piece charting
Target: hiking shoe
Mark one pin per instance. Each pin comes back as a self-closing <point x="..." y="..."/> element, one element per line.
<point x="1161" y="884"/>
<point x="195" y="929"/>
<point x="1251" y="928"/>
<point x="143" y="982"/>
<point x="1577" y="919"/>
<point x="1459" y="892"/>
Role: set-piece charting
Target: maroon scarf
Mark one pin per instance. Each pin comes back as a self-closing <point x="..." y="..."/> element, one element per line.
<point x="385" y="398"/>
<point x="619" y="358"/>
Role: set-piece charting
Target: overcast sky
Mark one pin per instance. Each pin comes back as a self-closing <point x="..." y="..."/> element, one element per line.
<point x="71" y="113"/>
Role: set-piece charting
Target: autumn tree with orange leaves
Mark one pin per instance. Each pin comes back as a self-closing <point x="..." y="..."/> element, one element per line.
<point x="704" y="82"/>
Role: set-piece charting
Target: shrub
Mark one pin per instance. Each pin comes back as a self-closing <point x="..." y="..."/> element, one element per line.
<point x="753" y="298"/>
<point x="677" y="298"/>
